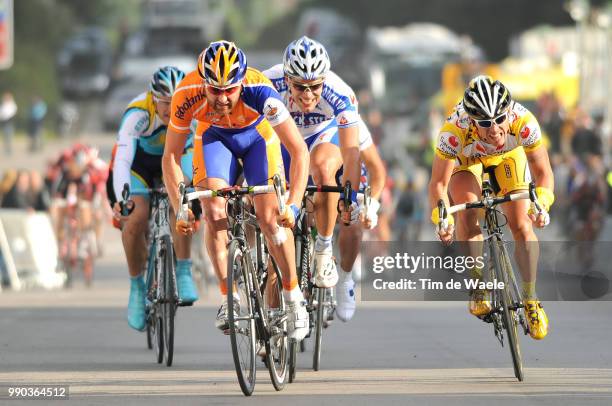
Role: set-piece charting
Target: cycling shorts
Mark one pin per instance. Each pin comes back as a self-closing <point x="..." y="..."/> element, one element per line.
<point x="218" y="153"/>
<point x="508" y="172"/>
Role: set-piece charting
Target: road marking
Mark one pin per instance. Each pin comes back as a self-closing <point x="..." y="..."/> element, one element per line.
<point x="556" y="382"/>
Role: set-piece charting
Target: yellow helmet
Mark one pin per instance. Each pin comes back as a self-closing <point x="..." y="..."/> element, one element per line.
<point x="222" y="64"/>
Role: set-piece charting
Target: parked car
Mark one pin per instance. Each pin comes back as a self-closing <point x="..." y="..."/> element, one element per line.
<point x="85" y="64"/>
<point x="135" y="73"/>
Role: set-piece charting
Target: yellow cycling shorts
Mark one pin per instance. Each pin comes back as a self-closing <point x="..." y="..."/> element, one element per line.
<point x="508" y="172"/>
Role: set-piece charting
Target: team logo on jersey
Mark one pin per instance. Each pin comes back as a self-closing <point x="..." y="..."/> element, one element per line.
<point x="519" y="109"/>
<point x="446" y="147"/>
<point x="462" y="122"/>
<point x="343" y="121"/>
<point x="508" y="171"/>
<point x="272" y="111"/>
<point x="530" y="134"/>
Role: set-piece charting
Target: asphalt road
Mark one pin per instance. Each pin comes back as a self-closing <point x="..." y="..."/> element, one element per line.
<point x="390" y="353"/>
<point x="420" y="353"/>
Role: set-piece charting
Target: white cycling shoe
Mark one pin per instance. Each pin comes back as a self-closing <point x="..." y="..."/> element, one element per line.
<point x="326" y="274"/>
<point x="345" y="295"/>
<point x="298" y="320"/>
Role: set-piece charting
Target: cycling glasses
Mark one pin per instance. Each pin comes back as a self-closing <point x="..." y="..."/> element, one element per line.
<point x="499" y="120"/>
<point x="301" y="87"/>
<point x="162" y="100"/>
<point x="218" y="91"/>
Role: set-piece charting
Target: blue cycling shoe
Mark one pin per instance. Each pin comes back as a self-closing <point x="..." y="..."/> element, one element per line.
<point x="184" y="282"/>
<point x="136" y="305"/>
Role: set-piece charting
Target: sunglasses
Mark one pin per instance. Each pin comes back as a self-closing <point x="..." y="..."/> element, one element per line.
<point x="160" y="100"/>
<point x="499" y="120"/>
<point x="217" y="91"/>
<point x="313" y="87"/>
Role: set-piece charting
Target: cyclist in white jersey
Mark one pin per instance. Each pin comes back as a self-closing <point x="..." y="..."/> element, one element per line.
<point x="323" y="107"/>
<point x="349" y="238"/>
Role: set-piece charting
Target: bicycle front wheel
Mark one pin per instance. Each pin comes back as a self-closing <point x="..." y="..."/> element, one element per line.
<point x="303" y="245"/>
<point x="240" y="317"/>
<point x="503" y="272"/>
<point x="276" y="346"/>
<point x="169" y="302"/>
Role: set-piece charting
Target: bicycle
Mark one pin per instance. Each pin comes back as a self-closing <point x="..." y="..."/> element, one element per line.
<point x="77" y="247"/>
<point x="507" y="301"/>
<point x="160" y="280"/>
<point x="258" y="316"/>
<point x="320" y="301"/>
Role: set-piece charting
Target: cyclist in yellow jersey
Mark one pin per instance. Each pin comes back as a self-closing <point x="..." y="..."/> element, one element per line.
<point x="488" y="131"/>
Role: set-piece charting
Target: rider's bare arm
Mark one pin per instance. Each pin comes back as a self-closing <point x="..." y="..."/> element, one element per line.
<point x="539" y="166"/>
<point x="292" y="140"/>
<point x="376" y="170"/>
<point x="349" y="147"/>
<point x="171" y="164"/>
<point x="441" y="172"/>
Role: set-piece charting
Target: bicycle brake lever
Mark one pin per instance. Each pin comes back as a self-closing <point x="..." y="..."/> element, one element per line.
<point x="125" y="195"/>
<point x="443" y="213"/>
<point x="280" y="191"/>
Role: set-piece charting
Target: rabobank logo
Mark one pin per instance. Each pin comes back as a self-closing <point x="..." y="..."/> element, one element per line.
<point x="187" y="104"/>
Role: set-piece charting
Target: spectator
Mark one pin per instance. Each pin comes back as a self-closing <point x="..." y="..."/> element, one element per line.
<point x="7" y="182"/>
<point x="586" y="141"/>
<point x="18" y="196"/>
<point x="8" y="111"/>
<point x="38" y="111"/>
<point x="39" y="195"/>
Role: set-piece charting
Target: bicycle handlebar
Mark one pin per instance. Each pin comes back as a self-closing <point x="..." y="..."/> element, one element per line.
<point x="487" y="202"/>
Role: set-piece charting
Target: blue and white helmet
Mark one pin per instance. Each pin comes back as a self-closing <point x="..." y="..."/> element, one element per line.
<point x="306" y="59"/>
<point x="165" y="80"/>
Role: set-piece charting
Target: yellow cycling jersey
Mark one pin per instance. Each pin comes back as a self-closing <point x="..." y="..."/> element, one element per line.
<point x="458" y="137"/>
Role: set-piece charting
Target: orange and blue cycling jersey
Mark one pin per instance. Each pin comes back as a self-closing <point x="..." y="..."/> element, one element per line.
<point x="245" y="133"/>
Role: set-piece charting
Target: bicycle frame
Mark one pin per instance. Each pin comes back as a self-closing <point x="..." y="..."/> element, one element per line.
<point x="506" y="302"/>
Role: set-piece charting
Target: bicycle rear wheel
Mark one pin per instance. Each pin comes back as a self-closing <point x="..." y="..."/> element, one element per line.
<point x="503" y="270"/>
<point x="240" y="317"/>
<point x="320" y="319"/>
<point x="277" y="353"/>
<point x="170" y="301"/>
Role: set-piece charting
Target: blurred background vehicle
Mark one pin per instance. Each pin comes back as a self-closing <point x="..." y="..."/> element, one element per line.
<point x="85" y="64"/>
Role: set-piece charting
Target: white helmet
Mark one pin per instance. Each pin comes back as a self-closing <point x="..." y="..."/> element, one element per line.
<point x="306" y="58"/>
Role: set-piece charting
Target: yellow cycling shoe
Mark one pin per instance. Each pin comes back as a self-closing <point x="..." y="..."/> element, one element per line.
<point x="480" y="303"/>
<point x="537" y="319"/>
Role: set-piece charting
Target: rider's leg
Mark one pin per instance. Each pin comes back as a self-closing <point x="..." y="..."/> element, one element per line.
<point x="526" y="254"/>
<point x="266" y="209"/>
<point x="527" y="250"/>
<point x="464" y="187"/>
<point x="325" y="161"/>
<point x="133" y="236"/>
<point x="349" y="241"/>
<point x="184" y="280"/>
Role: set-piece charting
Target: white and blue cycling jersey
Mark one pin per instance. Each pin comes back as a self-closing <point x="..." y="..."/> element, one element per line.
<point x="337" y="107"/>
